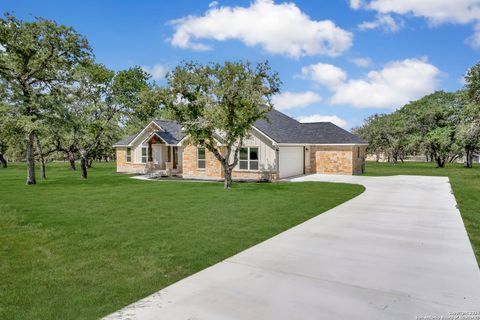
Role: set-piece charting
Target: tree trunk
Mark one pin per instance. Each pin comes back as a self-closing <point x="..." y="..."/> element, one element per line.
<point x="3" y="161"/>
<point x="71" y="159"/>
<point x="41" y="158"/>
<point x="84" y="165"/>
<point x="30" y="159"/>
<point x="440" y="161"/>
<point x="227" y="184"/>
<point x="395" y="158"/>
<point x="468" y="158"/>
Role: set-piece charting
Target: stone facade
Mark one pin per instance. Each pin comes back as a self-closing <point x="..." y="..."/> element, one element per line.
<point x="214" y="170"/>
<point x="127" y="167"/>
<point x="332" y="159"/>
<point x="213" y="167"/>
<point x="329" y="159"/>
<point x="254" y="175"/>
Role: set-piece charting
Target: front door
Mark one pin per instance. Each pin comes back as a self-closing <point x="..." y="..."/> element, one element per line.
<point x="157" y="153"/>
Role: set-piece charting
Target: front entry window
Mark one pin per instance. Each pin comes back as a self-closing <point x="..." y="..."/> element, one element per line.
<point x="144" y="154"/>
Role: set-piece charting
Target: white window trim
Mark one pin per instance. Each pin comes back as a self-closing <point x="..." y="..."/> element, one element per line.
<point x="141" y="155"/>
<point x="205" y="160"/>
<point x="126" y="155"/>
<point x="248" y="160"/>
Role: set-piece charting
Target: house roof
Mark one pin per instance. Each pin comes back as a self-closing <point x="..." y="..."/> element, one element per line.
<point x="283" y="129"/>
<point x="329" y="133"/>
<point x="125" y="141"/>
<point x="277" y="126"/>
<point x="172" y="131"/>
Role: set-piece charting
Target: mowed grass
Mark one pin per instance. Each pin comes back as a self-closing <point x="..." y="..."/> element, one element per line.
<point x="465" y="184"/>
<point x="75" y="249"/>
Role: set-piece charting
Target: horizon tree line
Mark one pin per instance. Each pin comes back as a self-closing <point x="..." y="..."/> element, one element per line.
<point x="442" y="126"/>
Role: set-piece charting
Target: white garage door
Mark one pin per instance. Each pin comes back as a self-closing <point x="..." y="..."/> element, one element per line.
<point x="290" y="161"/>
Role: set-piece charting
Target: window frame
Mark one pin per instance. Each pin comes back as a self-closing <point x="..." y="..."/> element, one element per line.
<point x="248" y="160"/>
<point x="128" y="155"/>
<point x="204" y="158"/>
<point x="142" y="156"/>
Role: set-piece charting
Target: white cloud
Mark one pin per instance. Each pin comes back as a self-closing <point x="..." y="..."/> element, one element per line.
<point x="213" y="4"/>
<point x="474" y="39"/>
<point x="291" y="100"/>
<point x="435" y="11"/>
<point x="157" y="72"/>
<point x="383" y="21"/>
<point x="391" y="87"/>
<point x="361" y="62"/>
<point x="355" y="4"/>
<point x="278" y="28"/>
<point x="324" y="118"/>
<point x="325" y="74"/>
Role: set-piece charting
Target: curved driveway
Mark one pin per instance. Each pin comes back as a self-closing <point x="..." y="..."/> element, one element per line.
<point x="397" y="251"/>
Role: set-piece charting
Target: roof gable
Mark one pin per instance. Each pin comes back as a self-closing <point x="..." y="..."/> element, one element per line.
<point x="172" y="131"/>
<point x="169" y="131"/>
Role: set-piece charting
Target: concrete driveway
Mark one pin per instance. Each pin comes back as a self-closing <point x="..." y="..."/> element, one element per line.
<point x="397" y="251"/>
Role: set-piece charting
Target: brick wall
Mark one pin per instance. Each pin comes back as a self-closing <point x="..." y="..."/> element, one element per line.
<point x="254" y="175"/>
<point x="214" y="170"/>
<point x="213" y="167"/>
<point x="323" y="159"/>
<point x="127" y="167"/>
<point x="336" y="159"/>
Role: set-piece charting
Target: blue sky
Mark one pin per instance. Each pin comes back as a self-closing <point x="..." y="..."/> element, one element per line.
<point x="339" y="60"/>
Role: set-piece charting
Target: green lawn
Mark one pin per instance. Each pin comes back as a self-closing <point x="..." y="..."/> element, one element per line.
<point x="465" y="183"/>
<point x="73" y="249"/>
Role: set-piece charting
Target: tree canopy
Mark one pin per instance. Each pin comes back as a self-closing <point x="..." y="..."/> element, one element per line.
<point x="217" y="104"/>
<point x="36" y="58"/>
<point x="443" y="126"/>
<point x="53" y="95"/>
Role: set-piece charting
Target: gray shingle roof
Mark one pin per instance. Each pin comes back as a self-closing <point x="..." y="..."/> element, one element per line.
<point x="173" y="133"/>
<point x="278" y="126"/>
<point x="283" y="129"/>
<point x="125" y="141"/>
<point x="327" y="132"/>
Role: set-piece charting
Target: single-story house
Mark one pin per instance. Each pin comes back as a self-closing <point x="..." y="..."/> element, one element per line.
<point x="278" y="147"/>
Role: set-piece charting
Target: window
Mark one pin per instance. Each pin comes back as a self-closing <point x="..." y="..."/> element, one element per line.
<point x="201" y="158"/>
<point x="144" y="154"/>
<point x="358" y="152"/>
<point x="128" y="157"/>
<point x="248" y="158"/>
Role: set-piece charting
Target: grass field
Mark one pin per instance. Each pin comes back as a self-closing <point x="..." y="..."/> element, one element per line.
<point x="465" y="184"/>
<point x="74" y="249"/>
